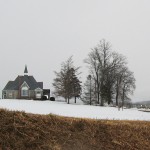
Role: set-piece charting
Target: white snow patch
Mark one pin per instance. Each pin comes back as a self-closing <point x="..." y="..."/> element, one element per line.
<point x="74" y="110"/>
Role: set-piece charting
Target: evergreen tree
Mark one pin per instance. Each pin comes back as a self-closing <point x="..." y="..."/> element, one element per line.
<point x="67" y="83"/>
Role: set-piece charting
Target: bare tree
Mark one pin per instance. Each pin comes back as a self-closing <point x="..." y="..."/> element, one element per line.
<point x="98" y="62"/>
<point x="110" y="72"/>
<point x="94" y="70"/>
<point x="118" y="67"/>
<point x="89" y="91"/>
<point x="128" y="85"/>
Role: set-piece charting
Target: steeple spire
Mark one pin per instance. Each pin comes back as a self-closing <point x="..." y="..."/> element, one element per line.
<point x="25" y="70"/>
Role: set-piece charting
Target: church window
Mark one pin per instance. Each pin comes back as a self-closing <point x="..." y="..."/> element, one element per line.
<point x="24" y="91"/>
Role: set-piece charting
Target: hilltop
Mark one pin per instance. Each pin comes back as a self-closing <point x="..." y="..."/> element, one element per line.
<point x="74" y="110"/>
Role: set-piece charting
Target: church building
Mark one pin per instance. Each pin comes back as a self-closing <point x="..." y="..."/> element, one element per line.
<point x="24" y="87"/>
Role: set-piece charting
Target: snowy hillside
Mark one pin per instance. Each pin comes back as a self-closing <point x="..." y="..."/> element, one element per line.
<point x="74" y="110"/>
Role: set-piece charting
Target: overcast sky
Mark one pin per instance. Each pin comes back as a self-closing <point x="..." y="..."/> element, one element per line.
<point x="44" y="33"/>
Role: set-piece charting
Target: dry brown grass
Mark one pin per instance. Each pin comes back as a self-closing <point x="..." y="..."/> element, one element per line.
<point x="21" y="131"/>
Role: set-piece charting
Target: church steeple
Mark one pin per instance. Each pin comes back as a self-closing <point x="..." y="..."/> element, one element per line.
<point x="25" y="70"/>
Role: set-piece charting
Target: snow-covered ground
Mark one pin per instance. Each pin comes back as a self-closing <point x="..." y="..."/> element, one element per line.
<point x="74" y="110"/>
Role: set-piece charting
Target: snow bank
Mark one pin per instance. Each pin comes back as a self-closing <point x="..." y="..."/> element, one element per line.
<point x="74" y="110"/>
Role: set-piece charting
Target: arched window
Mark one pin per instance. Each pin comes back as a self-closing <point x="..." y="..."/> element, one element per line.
<point x="24" y="91"/>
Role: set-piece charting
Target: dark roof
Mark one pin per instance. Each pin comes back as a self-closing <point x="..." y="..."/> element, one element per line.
<point x="9" y="85"/>
<point x="32" y="83"/>
<point x="40" y="84"/>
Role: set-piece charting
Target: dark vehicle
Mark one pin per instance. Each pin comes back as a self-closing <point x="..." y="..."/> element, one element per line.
<point x="52" y="98"/>
<point x="44" y="98"/>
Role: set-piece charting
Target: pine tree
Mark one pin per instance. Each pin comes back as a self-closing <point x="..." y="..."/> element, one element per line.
<point x="67" y="83"/>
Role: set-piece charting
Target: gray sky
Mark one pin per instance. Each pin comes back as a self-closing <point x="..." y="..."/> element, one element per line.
<point x="44" y="33"/>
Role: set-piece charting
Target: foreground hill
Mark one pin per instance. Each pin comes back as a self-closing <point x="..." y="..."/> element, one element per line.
<point x="20" y="130"/>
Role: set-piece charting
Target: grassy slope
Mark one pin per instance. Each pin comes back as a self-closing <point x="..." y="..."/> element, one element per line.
<point x="19" y="130"/>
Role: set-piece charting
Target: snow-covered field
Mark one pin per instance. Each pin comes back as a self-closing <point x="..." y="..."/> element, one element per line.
<point x="74" y="110"/>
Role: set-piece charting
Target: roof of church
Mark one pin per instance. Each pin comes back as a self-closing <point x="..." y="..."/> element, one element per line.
<point x="30" y="80"/>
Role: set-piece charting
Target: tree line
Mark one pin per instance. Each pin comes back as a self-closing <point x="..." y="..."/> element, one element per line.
<point x="109" y="79"/>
